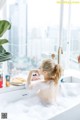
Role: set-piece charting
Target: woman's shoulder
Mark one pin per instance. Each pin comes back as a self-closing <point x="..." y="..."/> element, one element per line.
<point x="42" y="85"/>
<point x="47" y="84"/>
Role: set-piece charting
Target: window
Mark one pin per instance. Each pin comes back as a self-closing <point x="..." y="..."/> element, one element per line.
<point x="34" y="34"/>
<point x="43" y="28"/>
<point x="70" y="35"/>
<point x="75" y="35"/>
<point x="35" y="31"/>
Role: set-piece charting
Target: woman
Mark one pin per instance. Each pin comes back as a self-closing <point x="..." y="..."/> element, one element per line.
<point x="46" y="89"/>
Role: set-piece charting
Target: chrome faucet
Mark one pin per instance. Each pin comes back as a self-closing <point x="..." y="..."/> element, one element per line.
<point x="60" y="51"/>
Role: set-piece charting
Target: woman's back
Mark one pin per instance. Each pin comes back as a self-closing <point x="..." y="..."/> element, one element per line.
<point x="47" y="92"/>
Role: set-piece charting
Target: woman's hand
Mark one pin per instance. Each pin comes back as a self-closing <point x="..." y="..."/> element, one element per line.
<point x="35" y="75"/>
<point x="35" y="71"/>
<point x="30" y="75"/>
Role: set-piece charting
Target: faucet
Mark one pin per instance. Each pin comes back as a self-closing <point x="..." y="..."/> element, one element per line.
<point x="53" y="56"/>
<point x="60" y="51"/>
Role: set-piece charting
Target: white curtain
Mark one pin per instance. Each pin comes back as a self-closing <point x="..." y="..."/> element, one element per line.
<point x="2" y="2"/>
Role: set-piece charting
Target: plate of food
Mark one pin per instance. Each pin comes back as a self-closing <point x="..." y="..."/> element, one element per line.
<point x="18" y="81"/>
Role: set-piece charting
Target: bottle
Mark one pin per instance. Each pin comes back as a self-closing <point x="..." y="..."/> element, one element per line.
<point x="1" y="76"/>
<point x="1" y="81"/>
<point x="7" y="80"/>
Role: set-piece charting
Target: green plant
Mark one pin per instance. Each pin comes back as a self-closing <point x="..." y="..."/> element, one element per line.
<point x="4" y="26"/>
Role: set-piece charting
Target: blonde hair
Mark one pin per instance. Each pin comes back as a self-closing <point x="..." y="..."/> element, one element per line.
<point x="54" y="70"/>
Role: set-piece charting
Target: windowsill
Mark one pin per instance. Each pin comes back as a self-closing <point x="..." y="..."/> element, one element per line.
<point x="13" y="88"/>
<point x="67" y="73"/>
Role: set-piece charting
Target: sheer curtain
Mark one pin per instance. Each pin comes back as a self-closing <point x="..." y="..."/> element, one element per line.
<point x="2" y="2"/>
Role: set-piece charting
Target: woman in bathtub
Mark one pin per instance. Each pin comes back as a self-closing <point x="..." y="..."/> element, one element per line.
<point x="46" y="89"/>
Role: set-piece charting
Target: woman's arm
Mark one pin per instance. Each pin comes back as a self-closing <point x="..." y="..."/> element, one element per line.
<point x="29" y="78"/>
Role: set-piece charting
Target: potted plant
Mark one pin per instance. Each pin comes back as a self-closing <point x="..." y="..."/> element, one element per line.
<point x="4" y="26"/>
<point x="4" y="55"/>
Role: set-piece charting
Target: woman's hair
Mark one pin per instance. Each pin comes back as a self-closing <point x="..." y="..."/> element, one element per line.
<point x="54" y="70"/>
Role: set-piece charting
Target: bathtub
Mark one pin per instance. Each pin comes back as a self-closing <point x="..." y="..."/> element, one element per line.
<point x="19" y="106"/>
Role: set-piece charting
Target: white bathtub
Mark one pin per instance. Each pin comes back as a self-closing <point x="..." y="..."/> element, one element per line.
<point x="20" y="107"/>
<point x="72" y="113"/>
